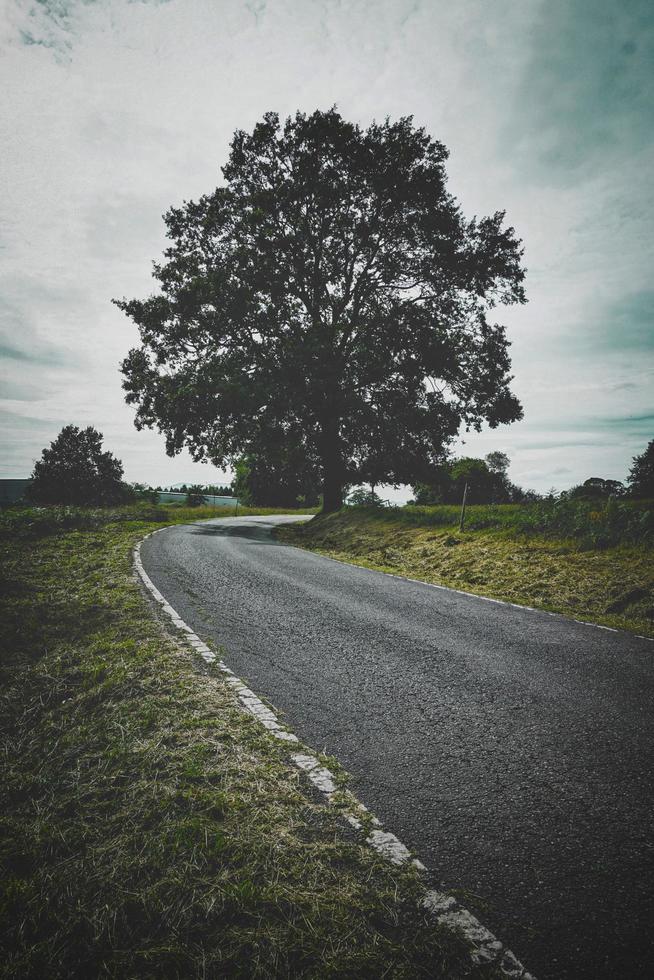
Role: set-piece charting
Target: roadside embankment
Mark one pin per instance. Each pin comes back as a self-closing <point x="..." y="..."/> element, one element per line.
<point x="152" y="828"/>
<point x="499" y="555"/>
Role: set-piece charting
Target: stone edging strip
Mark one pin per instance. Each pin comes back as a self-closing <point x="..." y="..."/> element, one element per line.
<point x="446" y="910"/>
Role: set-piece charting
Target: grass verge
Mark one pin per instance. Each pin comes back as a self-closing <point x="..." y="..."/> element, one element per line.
<point x="510" y="559"/>
<point x="149" y="827"/>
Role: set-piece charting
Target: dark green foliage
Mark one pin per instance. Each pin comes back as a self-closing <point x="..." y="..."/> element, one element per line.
<point x="641" y="475"/>
<point x="498" y="462"/>
<point x="330" y="287"/>
<point x="365" y="498"/>
<point x="75" y="470"/>
<point x="487" y="482"/>
<point x="595" y="524"/>
<point x="282" y="473"/>
<point x="592" y="524"/>
<point x="596" y="488"/>
<point x="483" y="485"/>
<point x="38" y="522"/>
<point x="195" y="497"/>
<point x="145" y="493"/>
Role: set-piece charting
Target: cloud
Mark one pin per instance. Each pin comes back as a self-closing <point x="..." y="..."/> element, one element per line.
<point x="587" y="92"/>
<point x="627" y="324"/>
<point x="54" y="24"/>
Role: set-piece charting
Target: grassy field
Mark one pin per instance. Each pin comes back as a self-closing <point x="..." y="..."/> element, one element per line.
<point x="587" y="561"/>
<point x="150" y="828"/>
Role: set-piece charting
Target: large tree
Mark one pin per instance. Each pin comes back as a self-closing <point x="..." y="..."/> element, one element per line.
<point x="75" y="470"/>
<point x="331" y="284"/>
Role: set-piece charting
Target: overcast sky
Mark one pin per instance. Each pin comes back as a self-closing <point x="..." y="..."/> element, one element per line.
<point x="113" y="110"/>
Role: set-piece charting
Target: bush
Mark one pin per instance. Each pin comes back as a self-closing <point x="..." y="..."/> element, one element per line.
<point x="593" y="524"/>
<point x="37" y="522"/>
<point x="195" y="497"/>
<point x="365" y="498"/>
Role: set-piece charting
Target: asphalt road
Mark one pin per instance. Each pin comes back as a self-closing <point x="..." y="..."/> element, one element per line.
<point x="510" y="749"/>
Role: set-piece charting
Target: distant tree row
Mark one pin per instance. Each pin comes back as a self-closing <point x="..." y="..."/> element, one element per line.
<point x="488" y="482"/>
<point x="75" y="469"/>
<point x="210" y="490"/>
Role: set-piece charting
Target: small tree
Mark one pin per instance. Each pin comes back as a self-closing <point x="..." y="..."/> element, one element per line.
<point x="360" y="497"/>
<point x="436" y="488"/>
<point x="144" y="492"/>
<point x="596" y="488"/>
<point x="487" y="482"/>
<point x="482" y="483"/>
<point x="75" y="470"/>
<point x="641" y="475"/>
<point x="195" y="496"/>
<point x="498" y="462"/>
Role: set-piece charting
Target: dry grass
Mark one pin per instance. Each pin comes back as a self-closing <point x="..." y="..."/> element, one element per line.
<point x="149" y="827"/>
<point x="611" y="586"/>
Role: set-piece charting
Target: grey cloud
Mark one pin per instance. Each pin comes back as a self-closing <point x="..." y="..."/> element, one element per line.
<point x="33" y="354"/>
<point x="628" y="324"/>
<point x="23" y="438"/>
<point x="13" y="353"/>
<point x="592" y="430"/>
<point x="16" y="420"/>
<point x="110" y="224"/>
<point x="53" y="23"/>
<point x="588" y="88"/>
<point x="22" y="389"/>
<point x="554" y="443"/>
<point x="20" y="338"/>
<point x="634" y="423"/>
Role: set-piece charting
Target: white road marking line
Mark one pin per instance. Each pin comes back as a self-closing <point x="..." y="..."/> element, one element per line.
<point x="471" y="595"/>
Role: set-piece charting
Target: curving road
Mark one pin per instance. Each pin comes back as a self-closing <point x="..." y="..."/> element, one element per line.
<point x="511" y="749"/>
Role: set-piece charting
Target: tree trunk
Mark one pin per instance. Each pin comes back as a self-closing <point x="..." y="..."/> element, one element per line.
<point x="332" y="490"/>
<point x="332" y="468"/>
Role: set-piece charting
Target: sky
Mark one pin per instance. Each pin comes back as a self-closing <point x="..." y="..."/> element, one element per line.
<point x="111" y="111"/>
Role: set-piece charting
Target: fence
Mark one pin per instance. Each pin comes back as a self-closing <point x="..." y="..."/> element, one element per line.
<point x="166" y="497"/>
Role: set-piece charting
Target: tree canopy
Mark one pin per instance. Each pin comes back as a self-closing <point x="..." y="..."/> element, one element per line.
<point x="75" y="470"/>
<point x="331" y="287"/>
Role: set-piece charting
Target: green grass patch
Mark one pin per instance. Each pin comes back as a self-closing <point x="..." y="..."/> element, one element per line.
<point x="506" y="552"/>
<point x="39" y="521"/>
<point x="149" y="827"/>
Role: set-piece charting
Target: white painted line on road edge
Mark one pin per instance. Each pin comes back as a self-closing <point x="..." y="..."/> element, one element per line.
<point x="445" y="909"/>
<point x="471" y="595"/>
